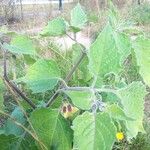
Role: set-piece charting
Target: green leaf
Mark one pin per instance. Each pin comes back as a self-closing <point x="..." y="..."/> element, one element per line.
<point x="103" y="56"/>
<point x="42" y="76"/>
<point x="141" y="48"/>
<point x="81" y="99"/>
<point x="52" y="129"/>
<point x="78" y="17"/>
<point x="132" y="99"/>
<point x="107" y="53"/>
<point x="56" y="27"/>
<point x="117" y="112"/>
<point x="21" y="45"/>
<point x="93" y="132"/>
<point x="123" y="45"/>
<point x="7" y="141"/>
<point x="11" y="127"/>
<point x="12" y="142"/>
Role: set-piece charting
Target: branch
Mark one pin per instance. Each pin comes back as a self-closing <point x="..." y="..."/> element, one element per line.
<point x="19" y="92"/>
<point x="100" y="90"/>
<point x="73" y="39"/>
<point x="75" y="67"/>
<point x="49" y="103"/>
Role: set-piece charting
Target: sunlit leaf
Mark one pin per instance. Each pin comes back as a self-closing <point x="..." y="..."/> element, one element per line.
<point x="81" y="99"/>
<point x="132" y="99"/>
<point x="93" y="132"/>
<point x="107" y="53"/>
<point x="142" y="51"/>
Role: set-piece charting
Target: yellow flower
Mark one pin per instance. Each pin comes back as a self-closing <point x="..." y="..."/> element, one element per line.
<point x="68" y="110"/>
<point x="120" y="136"/>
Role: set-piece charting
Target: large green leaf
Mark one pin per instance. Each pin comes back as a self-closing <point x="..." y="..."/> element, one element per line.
<point x="108" y="52"/>
<point x="142" y="51"/>
<point x="93" y="132"/>
<point x="42" y="76"/>
<point x="52" y="129"/>
<point x="11" y="127"/>
<point x="56" y="27"/>
<point x="21" y="44"/>
<point x="132" y="99"/>
<point x="78" y="17"/>
<point x="81" y="99"/>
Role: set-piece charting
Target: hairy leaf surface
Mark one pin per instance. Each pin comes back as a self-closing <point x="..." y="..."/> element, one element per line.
<point x="142" y="51"/>
<point x="42" y="76"/>
<point x="93" y="132"/>
<point x="132" y="99"/>
<point x="81" y="99"/>
<point x="108" y="52"/>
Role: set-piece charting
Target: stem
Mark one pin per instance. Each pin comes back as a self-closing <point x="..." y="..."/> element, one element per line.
<point x="75" y="67"/>
<point x="89" y="89"/>
<point x="52" y="99"/>
<point x="73" y="39"/>
<point x="68" y="77"/>
<point x="19" y="92"/>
